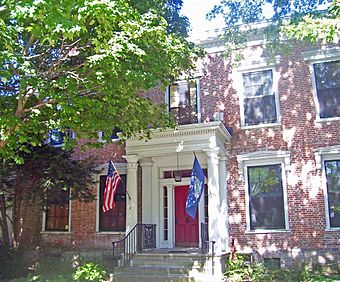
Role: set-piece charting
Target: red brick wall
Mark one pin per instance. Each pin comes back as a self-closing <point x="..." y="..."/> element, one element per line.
<point x="297" y="133"/>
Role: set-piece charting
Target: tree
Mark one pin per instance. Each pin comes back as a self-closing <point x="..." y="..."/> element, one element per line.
<point x="45" y="170"/>
<point x="299" y="19"/>
<point x="82" y="66"/>
<point x="319" y="27"/>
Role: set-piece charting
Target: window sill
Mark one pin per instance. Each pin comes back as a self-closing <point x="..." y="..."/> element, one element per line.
<point x="265" y="231"/>
<point x="321" y="120"/>
<point x="245" y="127"/>
<point x="332" y="229"/>
<point x="110" y="232"/>
<point x="56" y="232"/>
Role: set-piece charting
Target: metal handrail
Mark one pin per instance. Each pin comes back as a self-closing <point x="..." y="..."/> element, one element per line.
<point x="141" y="236"/>
<point x="206" y="242"/>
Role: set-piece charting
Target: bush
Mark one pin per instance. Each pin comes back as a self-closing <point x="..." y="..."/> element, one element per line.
<point x="89" y="272"/>
<point x="239" y="269"/>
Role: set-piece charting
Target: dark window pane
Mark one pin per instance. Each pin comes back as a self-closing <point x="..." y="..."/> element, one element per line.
<point x="260" y="110"/>
<point x="183" y="102"/>
<point x="258" y="83"/>
<point x="113" y="220"/>
<point x="259" y="102"/>
<point x="327" y="79"/>
<point x="266" y="204"/>
<point x="333" y="191"/>
<point x="57" y="213"/>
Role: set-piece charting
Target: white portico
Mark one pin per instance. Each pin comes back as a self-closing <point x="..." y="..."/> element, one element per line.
<point x="171" y="150"/>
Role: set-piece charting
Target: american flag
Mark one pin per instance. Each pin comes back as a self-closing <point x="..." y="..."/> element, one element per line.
<point x="112" y="181"/>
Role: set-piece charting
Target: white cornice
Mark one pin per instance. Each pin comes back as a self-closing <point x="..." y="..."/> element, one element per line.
<point x="185" y="138"/>
<point x="321" y="54"/>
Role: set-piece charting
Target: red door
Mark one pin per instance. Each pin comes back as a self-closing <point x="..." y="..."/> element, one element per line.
<point x="186" y="228"/>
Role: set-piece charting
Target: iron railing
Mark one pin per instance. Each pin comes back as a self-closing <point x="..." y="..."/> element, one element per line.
<point x="141" y="236"/>
<point x="206" y="244"/>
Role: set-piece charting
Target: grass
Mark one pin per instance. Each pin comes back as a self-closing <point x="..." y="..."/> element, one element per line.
<point x="49" y="270"/>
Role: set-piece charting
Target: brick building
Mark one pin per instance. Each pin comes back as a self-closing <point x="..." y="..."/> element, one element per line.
<point x="267" y="135"/>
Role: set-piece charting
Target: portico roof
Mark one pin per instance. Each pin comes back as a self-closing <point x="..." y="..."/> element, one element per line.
<point x="184" y="138"/>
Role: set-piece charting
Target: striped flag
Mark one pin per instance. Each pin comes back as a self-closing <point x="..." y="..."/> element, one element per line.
<point x="112" y="181"/>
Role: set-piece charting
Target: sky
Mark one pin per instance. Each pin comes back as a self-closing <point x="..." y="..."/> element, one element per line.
<point x="196" y="11"/>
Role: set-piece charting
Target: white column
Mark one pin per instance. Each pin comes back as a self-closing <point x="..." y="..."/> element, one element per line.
<point x="131" y="187"/>
<point x="224" y="231"/>
<point x="155" y="198"/>
<point x="146" y="191"/>
<point x="214" y="199"/>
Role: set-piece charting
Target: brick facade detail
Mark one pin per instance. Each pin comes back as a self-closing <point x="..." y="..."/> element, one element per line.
<point x="297" y="132"/>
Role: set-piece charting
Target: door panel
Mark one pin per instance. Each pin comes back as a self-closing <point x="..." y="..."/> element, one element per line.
<point x="186" y="228"/>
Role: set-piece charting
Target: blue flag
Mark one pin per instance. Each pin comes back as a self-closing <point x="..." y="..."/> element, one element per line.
<point x="195" y="189"/>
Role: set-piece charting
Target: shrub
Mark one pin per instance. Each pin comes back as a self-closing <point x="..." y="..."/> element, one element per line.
<point x="239" y="269"/>
<point x="89" y="272"/>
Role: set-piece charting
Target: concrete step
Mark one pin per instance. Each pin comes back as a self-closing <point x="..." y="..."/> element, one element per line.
<point x="123" y="277"/>
<point x="164" y="267"/>
<point x="158" y="270"/>
<point x="146" y="262"/>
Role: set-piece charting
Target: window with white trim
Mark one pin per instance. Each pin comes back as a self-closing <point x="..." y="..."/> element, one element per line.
<point x="327" y="160"/>
<point x="264" y="175"/>
<point x="266" y="201"/>
<point x="259" y="103"/>
<point x="332" y="173"/>
<point x="327" y="88"/>
<point x="182" y="100"/>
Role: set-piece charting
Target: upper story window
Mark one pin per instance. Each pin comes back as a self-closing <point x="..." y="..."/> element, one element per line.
<point x="327" y="88"/>
<point x="183" y="101"/>
<point x="115" y="219"/>
<point x="57" y="210"/>
<point x="56" y="138"/>
<point x="114" y="136"/>
<point x="259" y="99"/>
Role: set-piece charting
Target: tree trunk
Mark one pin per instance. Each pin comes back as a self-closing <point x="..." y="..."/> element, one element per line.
<point x="4" y="225"/>
<point x="17" y="198"/>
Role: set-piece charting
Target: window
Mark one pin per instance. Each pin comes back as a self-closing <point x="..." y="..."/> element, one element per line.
<point x="114" y="136"/>
<point x="259" y="101"/>
<point x="183" y="100"/>
<point x="327" y="160"/>
<point x="332" y="171"/>
<point x="113" y="220"/>
<point x="57" y="212"/>
<point x="266" y="198"/>
<point x="165" y="212"/>
<point x="327" y="86"/>
<point x="56" y="137"/>
<point x="264" y="174"/>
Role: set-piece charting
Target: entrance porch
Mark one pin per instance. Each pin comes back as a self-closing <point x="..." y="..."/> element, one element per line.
<point x="162" y="198"/>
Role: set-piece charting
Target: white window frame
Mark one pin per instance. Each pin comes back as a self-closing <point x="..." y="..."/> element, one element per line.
<point x="260" y="65"/>
<point x="315" y="57"/>
<point x="264" y="158"/>
<point x="43" y="228"/>
<point x="102" y="170"/>
<point x="198" y="98"/>
<point x="321" y="155"/>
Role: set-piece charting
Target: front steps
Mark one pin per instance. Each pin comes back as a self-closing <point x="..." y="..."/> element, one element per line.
<point x="157" y="266"/>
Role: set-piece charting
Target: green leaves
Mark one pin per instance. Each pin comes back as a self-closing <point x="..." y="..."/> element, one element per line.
<point x="81" y="65"/>
<point x="305" y="22"/>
